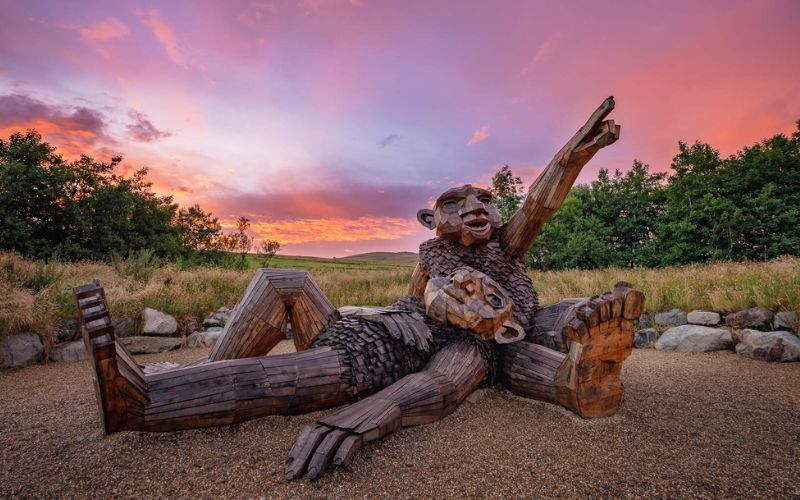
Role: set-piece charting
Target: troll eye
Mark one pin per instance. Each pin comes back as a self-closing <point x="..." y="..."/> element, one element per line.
<point x="486" y="200"/>
<point x="495" y="300"/>
<point x="449" y="205"/>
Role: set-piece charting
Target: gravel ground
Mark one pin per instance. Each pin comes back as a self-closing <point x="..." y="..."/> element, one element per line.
<point x="710" y="425"/>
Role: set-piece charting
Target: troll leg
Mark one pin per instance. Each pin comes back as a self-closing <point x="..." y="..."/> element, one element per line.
<point x="598" y="336"/>
<point x="273" y="298"/>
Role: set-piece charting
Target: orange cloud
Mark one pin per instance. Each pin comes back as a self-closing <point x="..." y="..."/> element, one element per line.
<point x="300" y="231"/>
<point x="75" y="130"/>
<point x="480" y="135"/>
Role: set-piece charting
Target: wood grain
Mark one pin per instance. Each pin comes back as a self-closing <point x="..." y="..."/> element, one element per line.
<point x="274" y="298"/>
<point x="548" y="191"/>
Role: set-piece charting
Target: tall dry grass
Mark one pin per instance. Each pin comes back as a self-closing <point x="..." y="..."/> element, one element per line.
<point x="38" y="296"/>
<point x="723" y="287"/>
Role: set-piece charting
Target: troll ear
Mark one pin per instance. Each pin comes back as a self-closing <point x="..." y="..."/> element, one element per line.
<point x="425" y="217"/>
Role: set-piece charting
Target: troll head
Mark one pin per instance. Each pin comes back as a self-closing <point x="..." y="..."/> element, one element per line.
<point x="465" y="214"/>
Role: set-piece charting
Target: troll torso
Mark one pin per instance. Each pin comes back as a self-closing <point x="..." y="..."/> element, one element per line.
<point x="439" y="257"/>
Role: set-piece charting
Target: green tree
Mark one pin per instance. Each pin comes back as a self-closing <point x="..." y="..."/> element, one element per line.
<point x="199" y="230"/>
<point x="267" y="251"/>
<point x="746" y="206"/>
<point x="629" y="205"/>
<point x="78" y="209"/>
<point x="507" y="192"/>
<point x="240" y="241"/>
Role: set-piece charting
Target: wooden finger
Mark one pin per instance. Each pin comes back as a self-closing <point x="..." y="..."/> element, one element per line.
<point x="303" y="449"/>
<point x="347" y="450"/>
<point x="325" y="451"/>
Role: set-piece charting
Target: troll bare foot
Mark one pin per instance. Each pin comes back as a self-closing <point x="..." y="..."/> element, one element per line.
<point x="598" y="335"/>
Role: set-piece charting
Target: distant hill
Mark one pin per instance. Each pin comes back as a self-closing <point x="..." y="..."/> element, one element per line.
<point x="395" y="258"/>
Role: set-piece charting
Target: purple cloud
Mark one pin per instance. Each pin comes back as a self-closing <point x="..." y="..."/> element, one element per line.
<point x="143" y="129"/>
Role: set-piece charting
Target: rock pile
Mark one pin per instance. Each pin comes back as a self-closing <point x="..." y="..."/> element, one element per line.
<point x="749" y="332"/>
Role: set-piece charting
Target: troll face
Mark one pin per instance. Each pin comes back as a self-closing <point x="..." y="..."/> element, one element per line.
<point x="469" y="299"/>
<point x="465" y="214"/>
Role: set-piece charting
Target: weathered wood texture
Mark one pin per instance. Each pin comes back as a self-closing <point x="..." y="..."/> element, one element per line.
<point x="549" y="190"/>
<point x="471" y="300"/>
<point x="599" y="333"/>
<point x="273" y="298"/>
<point x="419" y="398"/>
<point x="359" y="354"/>
<point x="119" y="382"/>
<point x="203" y="393"/>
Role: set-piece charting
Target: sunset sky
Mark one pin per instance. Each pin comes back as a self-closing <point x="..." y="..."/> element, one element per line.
<point x="330" y="123"/>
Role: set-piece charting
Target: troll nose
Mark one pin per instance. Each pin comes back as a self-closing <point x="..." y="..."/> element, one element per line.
<point x="472" y="205"/>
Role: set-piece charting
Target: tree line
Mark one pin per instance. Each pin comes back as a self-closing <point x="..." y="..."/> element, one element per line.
<point x="51" y="207"/>
<point x="709" y="208"/>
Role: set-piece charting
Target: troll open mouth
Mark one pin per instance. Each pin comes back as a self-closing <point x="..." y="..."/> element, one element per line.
<point x="480" y="223"/>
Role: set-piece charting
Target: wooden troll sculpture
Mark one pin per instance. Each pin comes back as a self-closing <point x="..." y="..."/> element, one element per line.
<point x="471" y="318"/>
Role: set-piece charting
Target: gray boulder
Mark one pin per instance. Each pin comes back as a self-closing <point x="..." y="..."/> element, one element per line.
<point x="124" y="326"/>
<point x="644" y="338"/>
<point x="787" y="320"/>
<point x="69" y="352"/>
<point x="218" y="317"/>
<point x="19" y="350"/>
<point x="207" y="338"/>
<point x="705" y="318"/>
<point x="644" y="319"/>
<point x="694" y="338"/>
<point x="150" y="345"/>
<point x="675" y="317"/>
<point x="158" y="323"/>
<point x="756" y="318"/>
<point x="67" y="331"/>
<point x="768" y="346"/>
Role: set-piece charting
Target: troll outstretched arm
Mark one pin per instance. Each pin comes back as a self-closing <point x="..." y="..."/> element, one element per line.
<point x="419" y="398"/>
<point x="548" y="192"/>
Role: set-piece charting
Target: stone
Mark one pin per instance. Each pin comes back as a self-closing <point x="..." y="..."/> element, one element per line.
<point x="150" y="345"/>
<point x="787" y="320"/>
<point x="67" y="331"/>
<point x="193" y="340"/>
<point x="755" y="318"/>
<point x="675" y="317"/>
<point x="124" y="326"/>
<point x="644" y="319"/>
<point x="705" y="318"/>
<point x="694" y="338"/>
<point x="644" y="338"/>
<point x="206" y="338"/>
<point x="69" y="352"/>
<point x="158" y="323"/>
<point x="768" y="346"/>
<point x="19" y="350"/>
<point x="218" y="317"/>
<point x="187" y="325"/>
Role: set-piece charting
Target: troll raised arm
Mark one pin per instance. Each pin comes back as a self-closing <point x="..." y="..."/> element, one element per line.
<point x="549" y="190"/>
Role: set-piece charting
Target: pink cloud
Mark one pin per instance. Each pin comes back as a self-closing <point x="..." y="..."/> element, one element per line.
<point x="542" y="52"/>
<point x="110" y="29"/>
<point x="480" y="135"/>
<point x="165" y="34"/>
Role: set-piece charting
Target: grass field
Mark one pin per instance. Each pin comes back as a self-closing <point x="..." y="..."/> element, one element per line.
<point x="37" y="296"/>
